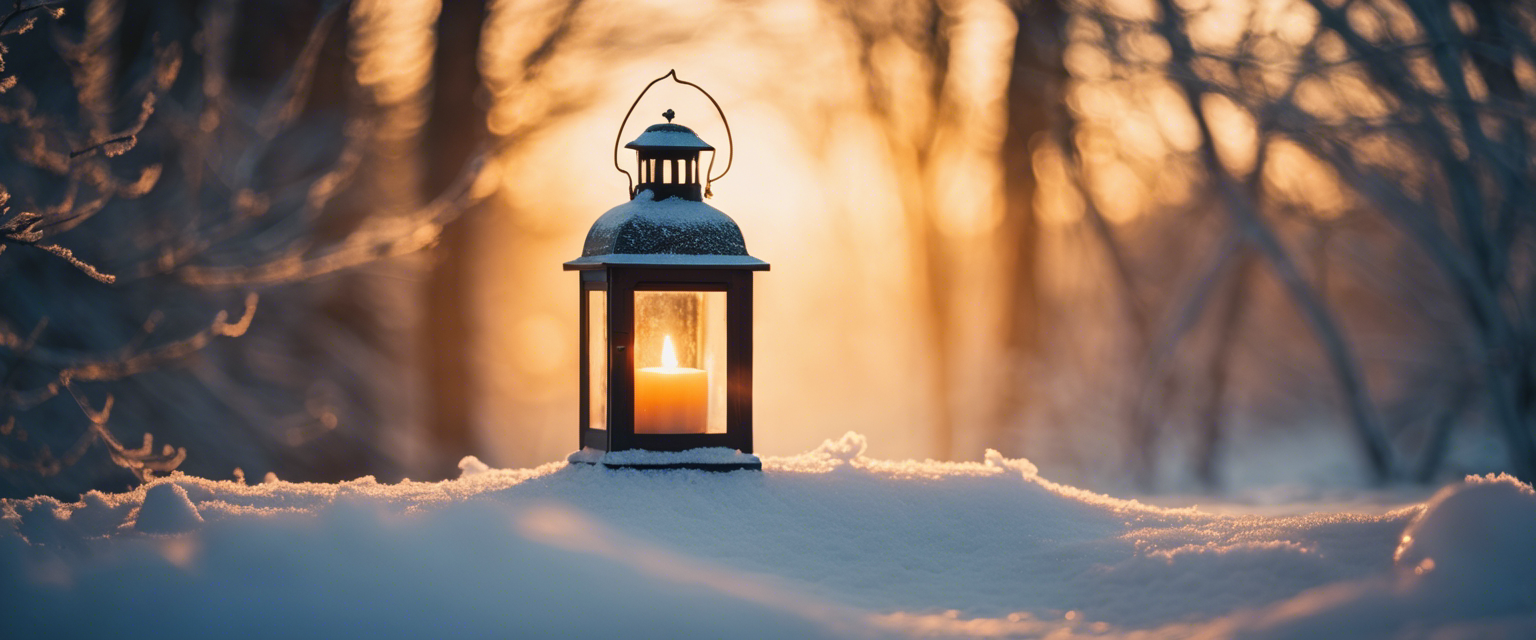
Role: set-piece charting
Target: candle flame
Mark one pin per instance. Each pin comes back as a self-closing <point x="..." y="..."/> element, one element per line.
<point x="668" y="354"/>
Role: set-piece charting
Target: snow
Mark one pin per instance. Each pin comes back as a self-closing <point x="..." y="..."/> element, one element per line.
<point x="672" y="226"/>
<point x="829" y="543"/>
<point x="167" y="509"/>
<point x="472" y="466"/>
<point x="669" y="137"/>
<point x="1465" y="565"/>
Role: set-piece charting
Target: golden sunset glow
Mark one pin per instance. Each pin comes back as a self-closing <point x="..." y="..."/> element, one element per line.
<point x="1201" y="226"/>
<point x="775" y="318"/>
<point x="854" y="185"/>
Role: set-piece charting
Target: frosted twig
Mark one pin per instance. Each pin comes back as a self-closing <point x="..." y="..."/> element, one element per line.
<point x="107" y="367"/>
<point x="378" y="239"/>
<point x="69" y="256"/>
<point x="21" y="19"/>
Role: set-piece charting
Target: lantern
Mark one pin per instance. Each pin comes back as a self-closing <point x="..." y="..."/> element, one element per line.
<point x="666" y="317"/>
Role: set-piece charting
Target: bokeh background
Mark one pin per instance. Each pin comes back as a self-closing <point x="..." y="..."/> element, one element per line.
<point x="1152" y="245"/>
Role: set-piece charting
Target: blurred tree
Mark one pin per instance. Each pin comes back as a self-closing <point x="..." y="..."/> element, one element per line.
<point x="456" y="128"/>
<point x="238" y="182"/>
<point x="1454" y="106"/>
<point x="911" y="116"/>
<point x="1353" y="129"/>
<point x="1036" y="89"/>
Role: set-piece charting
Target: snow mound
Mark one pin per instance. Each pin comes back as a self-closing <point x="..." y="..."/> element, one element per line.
<point x="846" y="448"/>
<point x="471" y="466"/>
<point x="828" y="543"/>
<point x="995" y="459"/>
<point x="167" y="509"/>
<point x="1474" y="537"/>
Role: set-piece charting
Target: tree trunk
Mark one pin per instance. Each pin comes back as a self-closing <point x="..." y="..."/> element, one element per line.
<point x="456" y="126"/>
<point x="1208" y="447"/>
<point x="1036" y="84"/>
<point x="1313" y="307"/>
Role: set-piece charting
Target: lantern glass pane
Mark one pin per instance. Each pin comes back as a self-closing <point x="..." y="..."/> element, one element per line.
<point x="680" y="379"/>
<point x="597" y="359"/>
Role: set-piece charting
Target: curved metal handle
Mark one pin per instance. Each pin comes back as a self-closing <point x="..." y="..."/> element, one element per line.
<point x="730" y="155"/>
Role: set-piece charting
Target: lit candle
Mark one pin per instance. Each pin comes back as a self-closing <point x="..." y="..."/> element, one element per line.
<point x="669" y="398"/>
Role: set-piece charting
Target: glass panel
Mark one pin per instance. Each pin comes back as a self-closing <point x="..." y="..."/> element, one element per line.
<point x="680" y="362"/>
<point x="597" y="359"/>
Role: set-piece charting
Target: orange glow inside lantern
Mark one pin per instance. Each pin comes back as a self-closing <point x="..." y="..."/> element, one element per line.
<point x="680" y="362"/>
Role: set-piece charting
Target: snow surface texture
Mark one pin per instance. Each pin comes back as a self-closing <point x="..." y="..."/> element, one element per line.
<point x="829" y="543"/>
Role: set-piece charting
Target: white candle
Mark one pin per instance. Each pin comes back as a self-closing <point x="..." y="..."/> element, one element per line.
<point x="669" y="398"/>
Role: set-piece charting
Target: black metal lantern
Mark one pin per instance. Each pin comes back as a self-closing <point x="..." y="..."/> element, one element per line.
<point x="666" y="315"/>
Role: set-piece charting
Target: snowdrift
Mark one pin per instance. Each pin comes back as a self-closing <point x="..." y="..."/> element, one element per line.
<point x="825" y="544"/>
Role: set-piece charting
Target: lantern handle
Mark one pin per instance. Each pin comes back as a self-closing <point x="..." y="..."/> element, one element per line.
<point x="730" y="156"/>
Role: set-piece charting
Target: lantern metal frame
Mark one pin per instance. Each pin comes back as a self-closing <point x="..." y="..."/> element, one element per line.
<point x="620" y="285"/>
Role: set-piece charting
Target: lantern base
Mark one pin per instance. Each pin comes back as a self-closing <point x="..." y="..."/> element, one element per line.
<point x="705" y="459"/>
<point x="694" y="466"/>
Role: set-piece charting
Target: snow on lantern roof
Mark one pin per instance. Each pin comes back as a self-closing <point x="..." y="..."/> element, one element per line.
<point x="669" y="137"/>
<point x="671" y="232"/>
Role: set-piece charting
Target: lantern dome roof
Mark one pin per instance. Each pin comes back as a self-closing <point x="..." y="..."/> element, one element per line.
<point x="671" y="137"/>
<point x="674" y="232"/>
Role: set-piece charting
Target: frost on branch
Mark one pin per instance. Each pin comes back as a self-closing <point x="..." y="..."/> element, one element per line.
<point x="23" y="15"/>
<point x="144" y="202"/>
